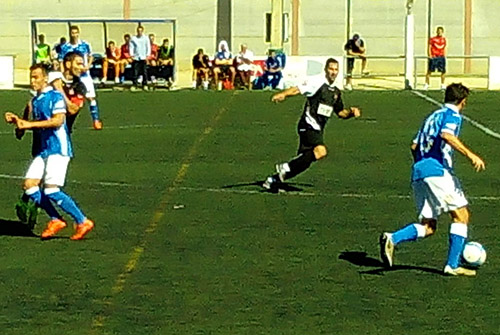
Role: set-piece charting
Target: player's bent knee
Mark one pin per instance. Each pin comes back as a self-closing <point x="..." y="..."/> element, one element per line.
<point x="29" y="183"/>
<point x="320" y="152"/>
<point x="460" y="215"/>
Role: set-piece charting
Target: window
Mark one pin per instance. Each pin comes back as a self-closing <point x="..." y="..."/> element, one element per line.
<point x="284" y="31"/>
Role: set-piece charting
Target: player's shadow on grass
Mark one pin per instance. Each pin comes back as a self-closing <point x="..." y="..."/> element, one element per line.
<point x="15" y="228"/>
<point x="281" y="187"/>
<point x="360" y="258"/>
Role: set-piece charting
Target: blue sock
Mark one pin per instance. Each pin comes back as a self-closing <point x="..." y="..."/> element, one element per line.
<point x="458" y="235"/>
<point x="43" y="202"/>
<point x="66" y="203"/>
<point x="407" y="233"/>
<point x="94" y="110"/>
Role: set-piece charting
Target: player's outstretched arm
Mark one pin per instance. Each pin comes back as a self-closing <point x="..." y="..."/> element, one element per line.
<point x="286" y="93"/>
<point x="456" y="144"/>
<point x="349" y="113"/>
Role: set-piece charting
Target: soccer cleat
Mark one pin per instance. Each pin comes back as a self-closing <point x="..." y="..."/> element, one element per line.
<point x="348" y="87"/>
<point x="117" y="80"/>
<point x="387" y="249"/>
<point x="459" y="271"/>
<point x="22" y="211"/>
<point x="53" y="227"/>
<point x="97" y="124"/>
<point x="443" y="87"/>
<point x="82" y="229"/>
<point x="269" y="183"/>
<point x="426" y="87"/>
<point x="281" y="170"/>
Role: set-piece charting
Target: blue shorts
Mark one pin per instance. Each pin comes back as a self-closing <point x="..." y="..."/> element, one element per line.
<point x="437" y="64"/>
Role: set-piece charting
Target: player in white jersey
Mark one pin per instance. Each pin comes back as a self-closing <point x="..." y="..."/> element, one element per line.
<point x="75" y="44"/>
<point x="52" y="156"/>
<point x="323" y="100"/>
<point x="435" y="186"/>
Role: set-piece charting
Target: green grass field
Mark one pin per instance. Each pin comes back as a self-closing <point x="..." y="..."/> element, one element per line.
<point x="186" y="243"/>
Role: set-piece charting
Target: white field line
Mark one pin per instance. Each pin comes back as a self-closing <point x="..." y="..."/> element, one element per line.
<point x="131" y="126"/>
<point x="253" y="192"/>
<point x="476" y="124"/>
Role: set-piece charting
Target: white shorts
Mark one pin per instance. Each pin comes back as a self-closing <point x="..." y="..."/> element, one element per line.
<point x="89" y="85"/>
<point x="435" y="195"/>
<point x="51" y="169"/>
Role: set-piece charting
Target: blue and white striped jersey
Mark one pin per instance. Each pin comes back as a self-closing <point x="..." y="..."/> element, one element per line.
<point x="433" y="154"/>
<point x="52" y="140"/>
<point x="81" y="47"/>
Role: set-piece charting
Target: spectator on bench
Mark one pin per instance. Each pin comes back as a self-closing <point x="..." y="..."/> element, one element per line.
<point x="201" y="68"/>
<point x="223" y="65"/>
<point x="113" y="57"/>
<point x="272" y="71"/>
<point x="244" y="65"/>
<point x="166" y="58"/>
<point x="153" y="58"/>
<point x="125" y="57"/>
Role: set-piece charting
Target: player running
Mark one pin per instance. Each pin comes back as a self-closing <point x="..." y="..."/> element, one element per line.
<point x="73" y="90"/>
<point x="436" y="189"/>
<point x="323" y="99"/>
<point x="53" y="153"/>
<point x="75" y="44"/>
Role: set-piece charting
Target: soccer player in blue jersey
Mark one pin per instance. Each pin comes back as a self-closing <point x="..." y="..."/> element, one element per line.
<point x="75" y="44"/>
<point x="53" y="154"/>
<point x="435" y="186"/>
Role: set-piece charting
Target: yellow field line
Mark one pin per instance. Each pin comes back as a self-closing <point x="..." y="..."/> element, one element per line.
<point x="138" y="250"/>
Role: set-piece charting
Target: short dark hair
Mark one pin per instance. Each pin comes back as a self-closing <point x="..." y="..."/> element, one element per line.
<point x="70" y="56"/>
<point x="74" y="28"/>
<point x="126" y="35"/>
<point x="440" y="27"/>
<point x="330" y="60"/>
<point x="43" y="67"/>
<point x="455" y="93"/>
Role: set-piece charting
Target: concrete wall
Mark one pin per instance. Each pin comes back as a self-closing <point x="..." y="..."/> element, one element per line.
<point x="322" y="27"/>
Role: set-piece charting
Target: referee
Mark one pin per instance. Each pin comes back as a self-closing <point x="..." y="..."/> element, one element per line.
<point x="323" y="99"/>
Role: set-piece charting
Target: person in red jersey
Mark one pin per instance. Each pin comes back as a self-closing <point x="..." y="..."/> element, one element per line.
<point x="437" y="57"/>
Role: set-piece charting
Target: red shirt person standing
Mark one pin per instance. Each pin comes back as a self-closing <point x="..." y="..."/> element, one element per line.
<point x="437" y="57"/>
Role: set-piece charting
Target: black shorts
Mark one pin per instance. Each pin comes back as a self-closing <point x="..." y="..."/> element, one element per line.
<point x="350" y="65"/>
<point x="309" y="139"/>
<point x="437" y="64"/>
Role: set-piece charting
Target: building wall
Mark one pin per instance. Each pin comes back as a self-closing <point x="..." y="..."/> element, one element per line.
<point x="322" y="27"/>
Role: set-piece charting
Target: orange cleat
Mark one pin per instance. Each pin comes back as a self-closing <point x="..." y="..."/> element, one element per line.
<point x="97" y="124"/>
<point x="82" y="229"/>
<point x="52" y="228"/>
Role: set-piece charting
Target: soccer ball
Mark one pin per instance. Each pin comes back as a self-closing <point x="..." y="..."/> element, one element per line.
<point x="474" y="254"/>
